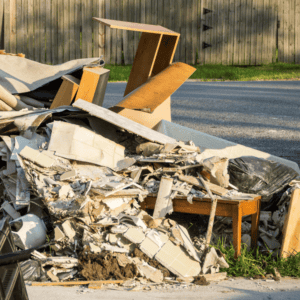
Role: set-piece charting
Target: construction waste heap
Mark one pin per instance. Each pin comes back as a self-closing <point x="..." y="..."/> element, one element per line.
<point x="89" y="192"/>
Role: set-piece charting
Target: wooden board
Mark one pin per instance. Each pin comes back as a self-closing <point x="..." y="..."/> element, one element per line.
<point x="231" y="32"/>
<point x="200" y="31"/>
<point x="242" y="33"/>
<point x="66" y="92"/>
<point x="125" y="33"/>
<point x="182" y="31"/>
<point x="259" y="32"/>
<point x="48" y="16"/>
<point x="286" y="30"/>
<point x="188" y="32"/>
<point x="157" y="89"/>
<point x="280" y="30"/>
<point x="136" y="27"/>
<point x="54" y="33"/>
<point x="37" y="36"/>
<point x="226" y="32"/>
<point x="194" y="31"/>
<point x="297" y="32"/>
<point x="291" y="39"/>
<point x="144" y="61"/>
<point x="291" y="228"/>
<point x="77" y="25"/>
<point x="177" y="26"/>
<point x="130" y="33"/>
<point x="123" y="122"/>
<point x="265" y="33"/>
<point x="42" y="30"/>
<point x="72" y="42"/>
<point x="253" y="33"/>
<point x="60" y="30"/>
<point x="1" y="23"/>
<point x="214" y="32"/>
<point x="248" y="32"/>
<point x="236" y="32"/>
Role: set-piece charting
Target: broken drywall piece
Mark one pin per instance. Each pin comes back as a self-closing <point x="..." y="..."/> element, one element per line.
<point x="37" y="157"/>
<point x="123" y="122"/>
<point x="135" y="235"/>
<point x="163" y="203"/>
<point x="175" y="259"/>
<point x="84" y="145"/>
<point x="10" y="210"/>
<point x="150" y="272"/>
<point x="68" y="230"/>
<point x="213" y="260"/>
<point x="67" y="175"/>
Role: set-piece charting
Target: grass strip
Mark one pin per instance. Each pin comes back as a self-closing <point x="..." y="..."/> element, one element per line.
<point x="274" y="71"/>
<point x="254" y="263"/>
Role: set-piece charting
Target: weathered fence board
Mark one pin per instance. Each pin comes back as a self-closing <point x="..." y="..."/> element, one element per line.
<point x="240" y="32"/>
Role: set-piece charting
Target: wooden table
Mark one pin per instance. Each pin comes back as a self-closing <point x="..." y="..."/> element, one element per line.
<point x="236" y="209"/>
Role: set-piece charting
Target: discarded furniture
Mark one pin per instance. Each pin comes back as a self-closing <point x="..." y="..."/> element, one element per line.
<point x="11" y="280"/>
<point x="291" y="229"/>
<point x="235" y="209"/>
<point x="154" y="56"/>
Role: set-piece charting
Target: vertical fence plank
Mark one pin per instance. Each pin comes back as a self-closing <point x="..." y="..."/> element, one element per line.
<point x="160" y="12"/>
<point x="1" y="24"/>
<point x="219" y="37"/>
<point x="137" y="19"/>
<point x="77" y="28"/>
<point x="199" y="31"/>
<point x="60" y="31"/>
<point x="188" y="41"/>
<point x="208" y="33"/>
<point x="113" y="15"/>
<point x="125" y="32"/>
<point x="230" y="32"/>
<point x="101" y="14"/>
<point x="297" y="32"/>
<point x="269" y="31"/>
<point x="19" y="27"/>
<point x="265" y="36"/>
<point x="130" y="33"/>
<point x="259" y="32"/>
<point x="194" y="31"/>
<point x="248" y="31"/>
<point x="286" y="30"/>
<point x="213" y="31"/>
<point x="272" y="35"/>
<point x="291" y="41"/>
<point x="177" y="25"/>
<point x="36" y="18"/>
<point x="119" y="34"/>
<point x="13" y="29"/>
<point x="281" y="30"/>
<point x="226" y="30"/>
<point x="7" y="25"/>
<point x="236" y="32"/>
<point x="84" y="31"/>
<point x="42" y="30"/>
<point x="274" y="28"/>
<point x="54" y="32"/>
<point x="243" y="32"/>
<point x="182" y="31"/>
<point x="108" y="31"/>
<point x="48" y="13"/>
<point x="89" y="21"/>
<point x="253" y="33"/>
<point x="72" y="20"/>
<point x="30" y="30"/>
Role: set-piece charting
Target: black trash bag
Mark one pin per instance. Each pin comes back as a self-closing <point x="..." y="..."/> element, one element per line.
<point x="255" y="175"/>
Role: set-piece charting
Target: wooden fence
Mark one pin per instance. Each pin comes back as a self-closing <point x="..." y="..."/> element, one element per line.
<point x="239" y="32"/>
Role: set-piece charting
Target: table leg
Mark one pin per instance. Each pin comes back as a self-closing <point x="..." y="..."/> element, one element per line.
<point x="254" y="226"/>
<point x="237" y="229"/>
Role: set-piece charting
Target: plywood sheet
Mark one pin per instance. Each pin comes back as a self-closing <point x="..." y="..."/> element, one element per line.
<point x="135" y="26"/>
<point x="291" y="228"/>
<point x="123" y="122"/>
<point x="158" y="88"/>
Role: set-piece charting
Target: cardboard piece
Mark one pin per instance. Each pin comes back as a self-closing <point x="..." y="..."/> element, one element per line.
<point x="66" y="92"/>
<point x="291" y="228"/>
<point x="93" y="85"/>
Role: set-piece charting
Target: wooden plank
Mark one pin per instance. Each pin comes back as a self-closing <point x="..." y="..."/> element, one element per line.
<point x="265" y="35"/>
<point x="89" y="20"/>
<point x="125" y="33"/>
<point x="54" y="32"/>
<point x="248" y="32"/>
<point x="253" y="35"/>
<point x="84" y="32"/>
<point x="69" y="283"/>
<point x="214" y="32"/>
<point x="177" y="27"/>
<point x="72" y="22"/>
<point x="113" y="15"/>
<point x="259" y="32"/>
<point x="281" y="30"/>
<point x="66" y="92"/>
<point x="19" y="27"/>
<point x="25" y="25"/>
<point x="36" y="20"/>
<point x="101" y="28"/>
<point x="153" y="11"/>
<point x="7" y="25"/>
<point x="42" y="30"/>
<point x="219" y="31"/>
<point x="119" y="34"/>
<point x="199" y="32"/>
<point x="236" y="33"/>
<point x="167" y="20"/>
<point x="144" y="61"/>
<point x="291" y="228"/>
<point x="48" y="45"/>
<point x="160" y="13"/>
<point x="108" y="31"/>
<point x="188" y="32"/>
<point x="194" y="31"/>
<point x="1" y="24"/>
<point x="297" y="32"/>
<point x="209" y="35"/>
<point x="30" y="49"/>
<point x="286" y="30"/>
<point x="274" y="29"/>
<point x="291" y="43"/>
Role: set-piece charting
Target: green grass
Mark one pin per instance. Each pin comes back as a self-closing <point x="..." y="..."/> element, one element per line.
<point x="254" y="263"/>
<point x="275" y="71"/>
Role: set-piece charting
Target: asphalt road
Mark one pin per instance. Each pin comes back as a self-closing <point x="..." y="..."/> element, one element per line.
<point x="264" y="115"/>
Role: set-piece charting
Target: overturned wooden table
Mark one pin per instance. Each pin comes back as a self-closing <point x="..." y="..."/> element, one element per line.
<point x="236" y="209"/>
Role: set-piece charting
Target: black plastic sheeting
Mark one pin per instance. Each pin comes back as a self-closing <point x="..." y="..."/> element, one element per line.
<point x="260" y="176"/>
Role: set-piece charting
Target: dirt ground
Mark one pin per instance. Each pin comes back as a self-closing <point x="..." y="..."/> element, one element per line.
<point x="240" y="288"/>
